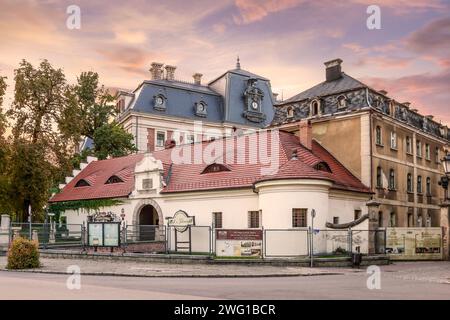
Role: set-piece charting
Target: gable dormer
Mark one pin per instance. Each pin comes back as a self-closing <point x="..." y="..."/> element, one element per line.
<point x="148" y="176"/>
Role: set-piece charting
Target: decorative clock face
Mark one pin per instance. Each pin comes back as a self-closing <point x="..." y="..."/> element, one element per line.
<point x="201" y="107"/>
<point x="159" y="101"/>
<point x="255" y="105"/>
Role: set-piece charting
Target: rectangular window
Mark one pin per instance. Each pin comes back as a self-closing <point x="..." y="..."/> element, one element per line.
<point x="335" y="220"/>
<point x="217" y="218"/>
<point x="392" y="220"/>
<point x="437" y="155"/>
<point x="393" y="140"/>
<point x="408" y="145"/>
<point x="358" y="214"/>
<point x="419" y="149"/>
<point x="147" y="184"/>
<point x="160" y="139"/>
<point x="253" y="219"/>
<point x="378" y="136"/>
<point x="427" y="152"/>
<point x="299" y="218"/>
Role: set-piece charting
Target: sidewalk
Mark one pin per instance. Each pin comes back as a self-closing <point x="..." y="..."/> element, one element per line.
<point x="145" y="269"/>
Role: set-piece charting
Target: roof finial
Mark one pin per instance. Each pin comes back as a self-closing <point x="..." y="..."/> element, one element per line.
<point x="238" y="63"/>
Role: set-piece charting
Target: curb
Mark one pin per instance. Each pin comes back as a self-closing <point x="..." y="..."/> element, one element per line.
<point x="112" y="274"/>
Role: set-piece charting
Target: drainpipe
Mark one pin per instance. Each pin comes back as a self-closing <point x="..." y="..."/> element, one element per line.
<point x="370" y="137"/>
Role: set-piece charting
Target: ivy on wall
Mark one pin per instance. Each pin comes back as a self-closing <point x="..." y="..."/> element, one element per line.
<point x="88" y="205"/>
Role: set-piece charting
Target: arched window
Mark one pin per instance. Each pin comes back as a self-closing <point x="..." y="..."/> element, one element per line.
<point x="315" y="107"/>
<point x="392" y="179"/>
<point x="378" y="136"/>
<point x="215" y="167"/>
<point x="113" y="179"/>
<point x="290" y="112"/>
<point x="428" y="186"/>
<point x="82" y="183"/>
<point x="379" y="178"/>
<point x="419" y="184"/>
<point x="410" y="183"/>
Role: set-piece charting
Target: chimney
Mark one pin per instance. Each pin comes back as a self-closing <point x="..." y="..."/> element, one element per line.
<point x="305" y="133"/>
<point x="170" y="72"/>
<point x="197" y="78"/>
<point x="333" y="69"/>
<point x="275" y="96"/>
<point x="156" y="70"/>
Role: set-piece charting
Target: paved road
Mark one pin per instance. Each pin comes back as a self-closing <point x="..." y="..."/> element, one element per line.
<point x="401" y="281"/>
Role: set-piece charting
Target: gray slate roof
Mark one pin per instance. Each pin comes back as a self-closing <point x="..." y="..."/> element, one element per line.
<point x="345" y="83"/>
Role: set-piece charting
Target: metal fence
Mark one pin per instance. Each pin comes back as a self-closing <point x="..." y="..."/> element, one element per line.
<point x="143" y="233"/>
<point x="49" y="234"/>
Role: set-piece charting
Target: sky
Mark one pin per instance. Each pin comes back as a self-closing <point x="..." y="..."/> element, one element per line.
<point x="286" y="41"/>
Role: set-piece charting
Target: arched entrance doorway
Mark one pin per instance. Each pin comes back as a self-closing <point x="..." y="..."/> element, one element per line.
<point x="148" y="223"/>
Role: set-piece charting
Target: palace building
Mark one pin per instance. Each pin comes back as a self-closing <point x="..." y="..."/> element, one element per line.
<point x="270" y="179"/>
<point x="387" y="144"/>
<point x="165" y="108"/>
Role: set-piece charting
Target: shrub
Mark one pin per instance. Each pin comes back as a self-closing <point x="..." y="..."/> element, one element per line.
<point x="340" y="250"/>
<point x="23" y="254"/>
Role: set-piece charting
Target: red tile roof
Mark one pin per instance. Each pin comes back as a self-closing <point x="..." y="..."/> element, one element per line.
<point x="96" y="174"/>
<point x="183" y="177"/>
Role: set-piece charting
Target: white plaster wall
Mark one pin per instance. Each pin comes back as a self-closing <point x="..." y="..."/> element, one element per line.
<point x="277" y="199"/>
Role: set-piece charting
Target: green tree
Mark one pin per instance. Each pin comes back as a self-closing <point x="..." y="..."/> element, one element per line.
<point x="40" y="152"/>
<point x="4" y="154"/>
<point x="111" y="140"/>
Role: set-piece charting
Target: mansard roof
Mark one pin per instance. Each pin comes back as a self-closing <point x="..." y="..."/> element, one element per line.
<point x="345" y="83"/>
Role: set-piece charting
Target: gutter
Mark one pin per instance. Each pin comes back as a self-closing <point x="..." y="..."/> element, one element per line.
<point x="370" y="137"/>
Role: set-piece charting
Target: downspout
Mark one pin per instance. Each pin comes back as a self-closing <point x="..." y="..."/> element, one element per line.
<point x="370" y="137"/>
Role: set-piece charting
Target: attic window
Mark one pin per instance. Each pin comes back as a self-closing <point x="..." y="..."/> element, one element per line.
<point x="82" y="183"/>
<point x="290" y="112"/>
<point x="342" y="102"/>
<point x="113" y="179"/>
<point x="201" y="109"/>
<point x="315" y="107"/>
<point x="215" y="167"/>
<point x="159" y="102"/>
<point x="322" y="166"/>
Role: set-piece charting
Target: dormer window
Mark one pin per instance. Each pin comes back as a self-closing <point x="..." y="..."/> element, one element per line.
<point x="113" y="179"/>
<point x="315" y="108"/>
<point x="201" y="109"/>
<point x="322" y="166"/>
<point x="290" y="112"/>
<point x="159" y="102"/>
<point x="342" y="102"/>
<point x="82" y="183"/>
<point x="215" y="167"/>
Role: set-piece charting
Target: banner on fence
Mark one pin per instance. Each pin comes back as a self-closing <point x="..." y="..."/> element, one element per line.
<point x="239" y="242"/>
<point x="414" y="244"/>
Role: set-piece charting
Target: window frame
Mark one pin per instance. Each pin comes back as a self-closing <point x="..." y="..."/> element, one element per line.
<point x="409" y="150"/>
<point x="419" y="185"/>
<point x="156" y="138"/>
<point x="379" y="181"/>
<point x="300" y="221"/>
<point x="251" y="219"/>
<point x="215" y="216"/>
<point x="394" y="140"/>
<point x="409" y="183"/>
<point x="392" y="178"/>
<point x="379" y="136"/>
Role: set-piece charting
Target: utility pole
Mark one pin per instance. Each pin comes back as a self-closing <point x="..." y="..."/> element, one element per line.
<point x="313" y="215"/>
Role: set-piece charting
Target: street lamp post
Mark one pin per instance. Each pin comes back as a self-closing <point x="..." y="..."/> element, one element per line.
<point x="445" y="179"/>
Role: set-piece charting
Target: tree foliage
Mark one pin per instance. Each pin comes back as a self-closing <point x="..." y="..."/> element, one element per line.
<point x="111" y="140"/>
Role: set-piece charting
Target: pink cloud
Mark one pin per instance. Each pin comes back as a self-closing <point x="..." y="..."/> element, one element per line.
<point x="255" y="10"/>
